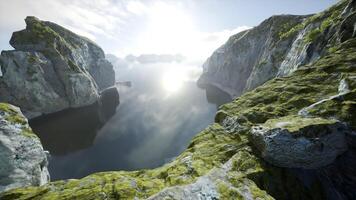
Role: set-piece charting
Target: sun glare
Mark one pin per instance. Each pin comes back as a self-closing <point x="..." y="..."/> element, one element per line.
<point x="173" y="80"/>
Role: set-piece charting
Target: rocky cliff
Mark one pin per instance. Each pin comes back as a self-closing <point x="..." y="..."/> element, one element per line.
<point x="275" y="48"/>
<point x="52" y="69"/>
<point x="23" y="162"/>
<point x="291" y="138"/>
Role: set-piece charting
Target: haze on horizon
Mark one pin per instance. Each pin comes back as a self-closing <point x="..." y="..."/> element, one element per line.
<point x="193" y="29"/>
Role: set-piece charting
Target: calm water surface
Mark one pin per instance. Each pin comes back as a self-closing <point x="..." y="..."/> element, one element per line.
<point x="157" y="117"/>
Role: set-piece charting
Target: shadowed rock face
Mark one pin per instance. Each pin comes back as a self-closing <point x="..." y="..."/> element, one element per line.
<point x="52" y="69"/>
<point x="22" y="159"/>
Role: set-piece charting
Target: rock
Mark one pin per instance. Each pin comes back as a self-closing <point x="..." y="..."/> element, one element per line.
<point x="109" y="100"/>
<point x="276" y="48"/>
<point x="217" y="184"/>
<point x="297" y="142"/>
<point x="52" y="69"/>
<point x="249" y="58"/>
<point x="23" y="162"/>
<point x="223" y="160"/>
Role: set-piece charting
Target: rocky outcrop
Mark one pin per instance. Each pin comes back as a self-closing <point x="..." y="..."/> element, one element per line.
<point x="52" y="69"/>
<point x="297" y="142"/>
<point x="276" y="48"/>
<point x="23" y="162"/>
<point x="223" y="160"/>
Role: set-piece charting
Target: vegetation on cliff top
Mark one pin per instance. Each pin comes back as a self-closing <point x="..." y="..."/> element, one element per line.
<point x="280" y="97"/>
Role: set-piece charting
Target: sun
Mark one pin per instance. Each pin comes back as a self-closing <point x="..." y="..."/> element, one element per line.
<point x="173" y="80"/>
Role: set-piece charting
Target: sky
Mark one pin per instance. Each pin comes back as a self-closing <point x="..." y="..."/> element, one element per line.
<point x="193" y="28"/>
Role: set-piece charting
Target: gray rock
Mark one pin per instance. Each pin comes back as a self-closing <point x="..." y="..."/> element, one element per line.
<point x="249" y="58"/>
<point x="52" y="69"/>
<point x="23" y="162"/>
<point x="215" y="185"/>
<point x="109" y="100"/>
<point x="297" y="142"/>
<point x="277" y="47"/>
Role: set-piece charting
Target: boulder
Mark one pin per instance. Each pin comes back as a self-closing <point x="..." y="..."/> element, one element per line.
<point x="23" y="162"/>
<point x="297" y="142"/>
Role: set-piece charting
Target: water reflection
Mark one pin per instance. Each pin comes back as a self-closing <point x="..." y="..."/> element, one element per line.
<point x="216" y="96"/>
<point x="151" y="126"/>
<point x="69" y="130"/>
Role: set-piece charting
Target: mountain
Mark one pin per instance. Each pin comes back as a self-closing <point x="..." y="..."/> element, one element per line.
<point x="291" y="137"/>
<point x="52" y="69"/>
<point x="275" y="48"/>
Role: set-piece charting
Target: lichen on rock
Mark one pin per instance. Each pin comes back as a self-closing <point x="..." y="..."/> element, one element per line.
<point x="23" y="162"/>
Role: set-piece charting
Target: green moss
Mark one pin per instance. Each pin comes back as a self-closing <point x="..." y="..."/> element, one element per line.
<point x="12" y="116"/>
<point x="277" y="98"/>
<point x="28" y="133"/>
<point x="32" y="59"/>
<point x="312" y="35"/>
<point x="326" y="19"/>
<point x="293" y="123"/>
<point x="343" y="109"/>
<point x="210" y="148"/>
<point x="7" y="108"/>
<point x="227" y="192"/>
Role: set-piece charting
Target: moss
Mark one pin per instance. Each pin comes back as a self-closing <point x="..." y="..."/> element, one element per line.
<point x="343" y="109"/>
<point x="312" y="35"/>
<point x="28" y="133"/>
<point x="277" y="98"/>
<point x="227" y="192"/>
<point x="7" y="108"/>
<point x="294" y="123"/>
<point x="32" y="59"/>
<point x="326" y="19"/>
<point x="210" y="148"/>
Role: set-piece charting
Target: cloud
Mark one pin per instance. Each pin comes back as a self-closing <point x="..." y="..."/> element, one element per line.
<point x="155" y="58"/>
<point x="136" y="7"/>
<point x="120" y="27"/>
<point x="88" y="18"/>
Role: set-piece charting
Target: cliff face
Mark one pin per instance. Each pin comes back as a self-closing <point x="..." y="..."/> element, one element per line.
<point x="22" y="159"/>
<point x="275" y="48"/>
<point x="52" y="69"/>
<point x="291" y="138"/>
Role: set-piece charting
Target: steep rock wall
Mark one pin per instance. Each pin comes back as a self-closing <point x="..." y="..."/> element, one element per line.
<point x="52" y="69"/>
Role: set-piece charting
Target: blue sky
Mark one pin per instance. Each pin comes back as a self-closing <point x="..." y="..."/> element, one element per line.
<point x="152" y="26"/>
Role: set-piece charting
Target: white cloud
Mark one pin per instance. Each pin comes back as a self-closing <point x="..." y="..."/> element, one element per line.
<point x="120" y="27"/>
<point x="136" y="7"/>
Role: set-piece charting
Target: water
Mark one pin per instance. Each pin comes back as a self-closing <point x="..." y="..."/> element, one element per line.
<point x="154" y="122"/>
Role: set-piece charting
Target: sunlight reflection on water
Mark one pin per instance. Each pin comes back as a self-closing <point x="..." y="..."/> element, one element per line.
<point x="154" y="122"/>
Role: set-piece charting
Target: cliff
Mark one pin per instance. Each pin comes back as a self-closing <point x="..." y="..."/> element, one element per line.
<point x="275" y="48"/>
<point x="52" y="69"/>
<point x="291" y="138"/>
<point x="23" y="162"/>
